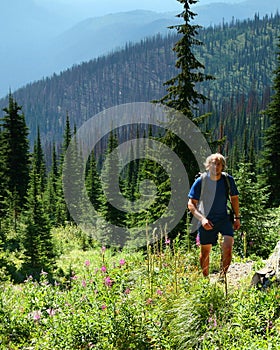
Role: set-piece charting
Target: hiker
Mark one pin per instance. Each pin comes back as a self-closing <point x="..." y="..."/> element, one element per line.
<point x="208" y="203"/>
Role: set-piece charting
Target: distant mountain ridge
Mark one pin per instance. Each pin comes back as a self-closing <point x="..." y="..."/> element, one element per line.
<point x="41" y="44"/>
<point x="241" y="57"/>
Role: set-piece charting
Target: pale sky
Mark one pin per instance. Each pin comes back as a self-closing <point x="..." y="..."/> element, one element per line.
<point x="82" y="8"/>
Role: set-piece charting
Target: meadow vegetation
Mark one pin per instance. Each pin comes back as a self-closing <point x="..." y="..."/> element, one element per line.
<point x="150" y="298"/>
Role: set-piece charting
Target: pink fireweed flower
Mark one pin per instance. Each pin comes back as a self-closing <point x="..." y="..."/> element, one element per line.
<point x="87" y="263"/>
<point x="103" y="307"/>
<point x="84" y="283"/>
<point x="103" y="268"/>
<point x="127" y="291"/>
<point x="159" y="292"/>
<point x="122" y="262"/>
<point x="212" y="321"/>
<point x="167" y="241"/>
<point x="51" y="312"/>
<point x="108" y="282"/>
<point x="197" y="240"/>
<point x="103" y="249"/>
<point x="36" y="315"/>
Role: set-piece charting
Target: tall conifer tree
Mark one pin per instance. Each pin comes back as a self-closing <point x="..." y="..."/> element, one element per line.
<point x="14" y="155"/>
<point x="37" y="241"/>
<point x="271" y="156"/>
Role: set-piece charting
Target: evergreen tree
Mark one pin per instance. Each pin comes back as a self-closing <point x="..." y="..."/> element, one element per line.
<point x="182" y="94"/>
<point x="40" y="164"/>
<point x="270" y="164"/>
<point x="14" y="155"/>
<point x="93" y="183"/>
<point x="62" y="213"/>
<point x="51" y="199"/>
<point x="110" y="213"/>
<point x="37" y="239"/>
<point x="254" y="237"/>
<point x="181" y="91"/>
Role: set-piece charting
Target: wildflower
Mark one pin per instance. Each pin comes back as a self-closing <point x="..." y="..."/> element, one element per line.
<point x="122" y="262"/>
<point x="29" y="278"/>
<point x="212" y="321"/>
<point x="74" y="277"/>
<point x="87" y="263"/>
<point x="103" y="249"/>
<point x="36" y="315"/>
<point x="197" y="240"/>
<point x="84" y="283"/>
<point x="103" y="307"/>
<point x="108" y="282"/>
<point x="103" y="268"/>
<point x="167" y="241"/>
<point x="51" y="312"/>
<point x="159" y="292"/>
<point x="127" y="291"/>
<point x="149" y="301"/>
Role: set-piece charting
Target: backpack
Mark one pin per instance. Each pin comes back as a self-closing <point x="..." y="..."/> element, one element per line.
<point x="228" y="190"/>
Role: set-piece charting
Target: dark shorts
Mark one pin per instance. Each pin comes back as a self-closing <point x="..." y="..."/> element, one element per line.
<point x="211" y="237"/>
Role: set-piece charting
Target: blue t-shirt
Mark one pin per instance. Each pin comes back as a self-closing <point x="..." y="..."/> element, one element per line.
<point x="214" y="202"/>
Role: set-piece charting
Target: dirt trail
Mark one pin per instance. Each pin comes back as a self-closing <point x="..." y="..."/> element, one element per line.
<point x="237" y="273"/>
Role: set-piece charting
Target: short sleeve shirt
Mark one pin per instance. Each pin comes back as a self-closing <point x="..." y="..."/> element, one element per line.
<point x="213" y="202"/>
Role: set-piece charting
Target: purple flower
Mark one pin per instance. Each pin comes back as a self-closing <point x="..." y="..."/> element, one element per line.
<point x="122" y="262"/>
<point x="212" y="321"/>
<point x="159" y="292"/>
<point x="84" y="283"/>
<point x="167" y="241"/>
<point x="127" y="291"/>
<point x="103" y="268"/>
<point x="103" y="307"/>
<point x="36" y="315"/>
<point x="51" y="312"/>
<point x="87" y="263"/>
<point x="108" y="282"/>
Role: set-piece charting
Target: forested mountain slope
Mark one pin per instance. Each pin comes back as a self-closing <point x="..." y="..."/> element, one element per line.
<point x="241" y="56"/>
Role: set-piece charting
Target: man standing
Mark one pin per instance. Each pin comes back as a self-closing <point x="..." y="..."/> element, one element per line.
<point x="208" y="204"/>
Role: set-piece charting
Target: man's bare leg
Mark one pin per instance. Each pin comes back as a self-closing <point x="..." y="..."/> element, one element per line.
<point x="204" y="258"/>
<point x="226" y="253"/>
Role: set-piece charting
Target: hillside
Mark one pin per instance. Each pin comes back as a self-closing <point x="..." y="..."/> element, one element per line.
<point x="241" y="56"/>
<point x="42" y="37"/>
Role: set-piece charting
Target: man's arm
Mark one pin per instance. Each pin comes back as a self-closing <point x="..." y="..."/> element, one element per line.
<point x="235" y="206"/>
<point x="192" y="205"/>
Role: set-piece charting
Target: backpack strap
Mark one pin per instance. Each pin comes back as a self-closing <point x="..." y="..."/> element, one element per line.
<point x="203" y="178"/>
<point x="227" y="183"/>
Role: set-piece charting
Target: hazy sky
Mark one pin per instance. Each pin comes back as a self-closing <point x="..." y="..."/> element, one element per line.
<point x="103" y="7"/>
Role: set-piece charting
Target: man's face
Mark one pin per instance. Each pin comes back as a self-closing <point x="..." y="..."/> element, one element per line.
<point x="216" y="167"/>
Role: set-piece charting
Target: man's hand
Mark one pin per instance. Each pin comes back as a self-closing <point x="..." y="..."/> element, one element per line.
<point x="207" y="224"/>
<point x="236" y="224"/>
